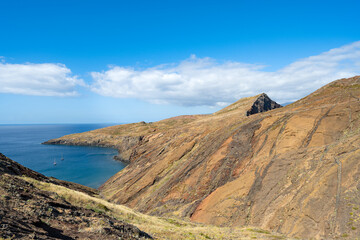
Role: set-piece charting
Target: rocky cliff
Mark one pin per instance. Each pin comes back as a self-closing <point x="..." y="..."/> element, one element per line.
<point x="293" y="169"/>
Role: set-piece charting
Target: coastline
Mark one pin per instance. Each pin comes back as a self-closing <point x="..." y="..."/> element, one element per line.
<point x="90" y="166"/>
<point x="117" y="157"/>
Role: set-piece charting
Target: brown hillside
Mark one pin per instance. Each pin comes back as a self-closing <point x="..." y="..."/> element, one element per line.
<point x="27" y="212"/>
<point x="294" y="169"/>
<point x="33" y="206"/>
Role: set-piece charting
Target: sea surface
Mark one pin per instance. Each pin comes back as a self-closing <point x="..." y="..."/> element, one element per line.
<point x="89" y="166"/>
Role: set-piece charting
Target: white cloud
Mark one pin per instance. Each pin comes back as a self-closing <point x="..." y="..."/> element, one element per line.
<point x="47" y="79"/>
<point x="204" y="81"/>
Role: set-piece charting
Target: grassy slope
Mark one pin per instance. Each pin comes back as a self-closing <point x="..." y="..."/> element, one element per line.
<point x="158" y="227"/>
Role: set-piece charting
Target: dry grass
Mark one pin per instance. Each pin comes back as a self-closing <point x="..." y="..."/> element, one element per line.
<point x="158" y="227"/>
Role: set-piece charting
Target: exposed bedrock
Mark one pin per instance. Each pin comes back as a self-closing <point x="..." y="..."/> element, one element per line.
<point x="262" y="104"/>
<point x="293" y="169"/>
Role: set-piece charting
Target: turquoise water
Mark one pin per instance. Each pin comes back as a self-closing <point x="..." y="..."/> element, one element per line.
<point x="90" y="166"/>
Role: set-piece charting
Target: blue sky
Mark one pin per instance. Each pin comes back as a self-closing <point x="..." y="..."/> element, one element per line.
<point x="128" y="61"/>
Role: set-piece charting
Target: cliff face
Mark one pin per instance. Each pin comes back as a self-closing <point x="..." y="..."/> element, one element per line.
<point x="293" y="169"/>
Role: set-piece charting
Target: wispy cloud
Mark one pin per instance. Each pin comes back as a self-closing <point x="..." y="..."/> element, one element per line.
<point x="204" y="81"/>
<point x="47" y="79"/>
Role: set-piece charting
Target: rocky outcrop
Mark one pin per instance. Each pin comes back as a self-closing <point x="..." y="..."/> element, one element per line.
<point x="262" y="104"/>
<point x="292" y="169"/>
<point x="26" y="212"/>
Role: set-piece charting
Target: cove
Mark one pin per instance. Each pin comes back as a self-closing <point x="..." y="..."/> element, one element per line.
<point x="89" y="166"/>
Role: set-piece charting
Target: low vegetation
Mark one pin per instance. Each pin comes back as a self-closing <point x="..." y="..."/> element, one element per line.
<point x="157" y="227"/>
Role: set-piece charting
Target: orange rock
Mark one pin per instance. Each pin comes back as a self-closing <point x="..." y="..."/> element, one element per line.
<point x="293" y="169"/>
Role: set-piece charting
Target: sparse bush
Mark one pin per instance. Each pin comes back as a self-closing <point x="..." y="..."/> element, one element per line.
<point x="205" y="236"/>
<point x="258" y="231"/>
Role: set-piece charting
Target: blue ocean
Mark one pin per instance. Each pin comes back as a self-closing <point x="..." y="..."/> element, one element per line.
<point x="89" y="166"/>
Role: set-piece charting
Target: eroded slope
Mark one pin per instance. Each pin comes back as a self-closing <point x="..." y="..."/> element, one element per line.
<point x="294" y="170"/>
<point x="33" y="206"/>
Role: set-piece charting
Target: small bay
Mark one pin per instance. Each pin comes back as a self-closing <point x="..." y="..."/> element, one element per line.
<point x="90" y="166"/>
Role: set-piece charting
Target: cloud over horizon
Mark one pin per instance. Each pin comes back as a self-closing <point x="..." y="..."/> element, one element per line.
<point x="192" y="82"/>
<point x="204" y="81"/>
<point x="45" y="79"/>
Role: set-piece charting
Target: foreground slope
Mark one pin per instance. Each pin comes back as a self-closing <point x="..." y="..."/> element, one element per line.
<point x="27" y="212"/>
<point x="293" y="169"/>
<point x="33" y="206"/>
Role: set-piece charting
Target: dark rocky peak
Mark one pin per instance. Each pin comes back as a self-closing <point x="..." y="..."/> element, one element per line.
<point x="262" y="104"/>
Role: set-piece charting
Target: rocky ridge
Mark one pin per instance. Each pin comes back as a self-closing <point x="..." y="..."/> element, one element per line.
<point x="293" y="169"/>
